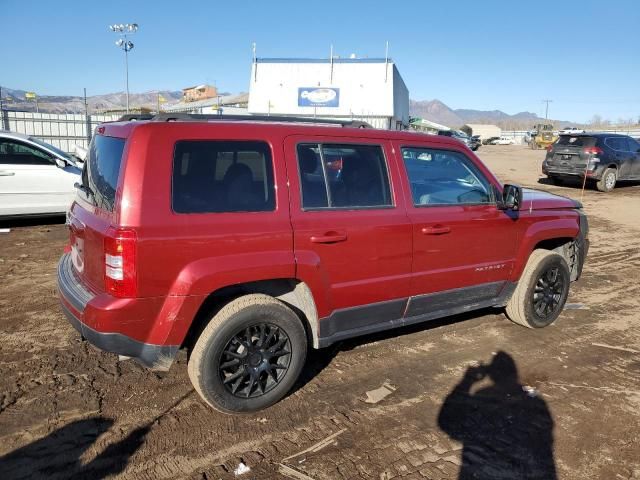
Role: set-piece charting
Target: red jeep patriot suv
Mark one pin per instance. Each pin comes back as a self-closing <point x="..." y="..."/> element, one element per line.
<point x="247" y="242"/>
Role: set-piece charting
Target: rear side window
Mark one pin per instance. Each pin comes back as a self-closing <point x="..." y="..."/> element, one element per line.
<point x="573" y="141"/>
<point x="343" y="176"/>
<point x="102" y="169"/>
<point x="617" y="143"/>
<point x="222" y="176"/>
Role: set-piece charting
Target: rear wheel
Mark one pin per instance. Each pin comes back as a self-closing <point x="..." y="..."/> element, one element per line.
<point x="541" y="292"/>
<point x="249" y="355"/>
<point x="608" y="180"/>
<point x="555" y="180"/>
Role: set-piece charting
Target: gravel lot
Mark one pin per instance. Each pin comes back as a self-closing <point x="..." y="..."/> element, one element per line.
<point x="70" y="411"/>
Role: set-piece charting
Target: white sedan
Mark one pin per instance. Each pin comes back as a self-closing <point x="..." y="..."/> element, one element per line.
<point x="35" y="178"/>
<point x="504" y="141"/>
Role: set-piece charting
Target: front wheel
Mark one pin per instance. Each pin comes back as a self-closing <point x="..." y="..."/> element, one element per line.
<point x="608" y="180"/>
<point x="541" y="292"/>
<point x="249" y="355"/>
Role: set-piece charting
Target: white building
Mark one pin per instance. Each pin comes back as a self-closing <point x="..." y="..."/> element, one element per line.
<point x="484" y="130"/>
<point x="368" y="89"/>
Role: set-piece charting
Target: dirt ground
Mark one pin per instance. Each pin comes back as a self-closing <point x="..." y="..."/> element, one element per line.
<point x="68" y="410"/>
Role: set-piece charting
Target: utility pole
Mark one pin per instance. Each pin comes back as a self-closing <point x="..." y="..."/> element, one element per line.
<point x="546" y="111"/>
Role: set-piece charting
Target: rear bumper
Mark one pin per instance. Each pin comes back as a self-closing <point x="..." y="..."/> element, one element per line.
<point x="76" y="300"/>
<point x="570" y="172"/>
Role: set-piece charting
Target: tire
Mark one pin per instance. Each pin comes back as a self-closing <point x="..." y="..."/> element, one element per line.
<point x="608" y="180"/>
<point x="230" y="348"/>
<point x="523" y="308"/>
<point x="555" y="180"/>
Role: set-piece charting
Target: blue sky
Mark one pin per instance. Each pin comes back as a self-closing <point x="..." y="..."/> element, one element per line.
<point x="585" y="55"/>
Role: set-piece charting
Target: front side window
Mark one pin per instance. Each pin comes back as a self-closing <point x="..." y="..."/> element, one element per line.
<point x="443" y="177"/>
<point x="222" y="176"/>
<point x="18" y="153"/>
<point x="343" y="176"/>
<point x="634" y="146"/>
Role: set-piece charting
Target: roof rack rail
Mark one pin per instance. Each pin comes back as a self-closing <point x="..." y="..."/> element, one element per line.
<point x="132" y="117"/>
<point x="195" y="117"/>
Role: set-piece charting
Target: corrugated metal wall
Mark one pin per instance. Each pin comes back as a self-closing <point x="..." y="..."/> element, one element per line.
<point x="62" y="130"/>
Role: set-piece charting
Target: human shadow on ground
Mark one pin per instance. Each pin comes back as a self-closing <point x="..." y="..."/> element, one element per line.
<point x="58" y="455"/>
<point x="506" y="430"/>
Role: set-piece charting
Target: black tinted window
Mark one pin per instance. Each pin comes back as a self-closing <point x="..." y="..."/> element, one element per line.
<point x="575" y="141"/>
<point x="343" y="176"/>
<point x="442" y="177"/>
<point x="17" y="153"/>
<point x="102" y="169"/>
<point x="617" y="143"/>
<point x="222" y="176"/>
<point x="634" y="146"/>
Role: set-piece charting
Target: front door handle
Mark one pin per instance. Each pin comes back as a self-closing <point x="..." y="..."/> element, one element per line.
<point x="436" y="230"/>
<point x="329" y="237"/>
<point x="4" y="173"/>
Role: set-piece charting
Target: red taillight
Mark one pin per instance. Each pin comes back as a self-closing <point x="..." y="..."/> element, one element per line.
<point x="592" y="151"/>
<point x="120" y="263"/>
<point x="550" y="148"/>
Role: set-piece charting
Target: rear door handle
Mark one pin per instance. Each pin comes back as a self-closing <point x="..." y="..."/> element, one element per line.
<point x="330" y="237"/>
<point x="4" y="173"/>
<point x="436" y="230"/>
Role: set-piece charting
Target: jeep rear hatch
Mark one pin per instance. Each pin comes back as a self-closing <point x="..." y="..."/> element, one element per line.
<point x="92" y="215"/>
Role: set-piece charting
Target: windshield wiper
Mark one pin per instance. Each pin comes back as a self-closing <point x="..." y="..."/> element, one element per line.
<point x="83" y="188"/>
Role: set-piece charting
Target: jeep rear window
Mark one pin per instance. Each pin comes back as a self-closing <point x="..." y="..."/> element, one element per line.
<point x="102" y="169"/>
<point x="222" y="176"/>
<point x="574" y="141"/>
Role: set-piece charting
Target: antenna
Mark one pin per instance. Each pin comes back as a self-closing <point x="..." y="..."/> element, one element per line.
<point x="255" y="62"/>
<point x="386" y="61"/>
<point x="331" y="68"/>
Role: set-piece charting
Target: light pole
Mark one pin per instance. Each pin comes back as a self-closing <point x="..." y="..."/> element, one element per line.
<point x="125" y="44"/>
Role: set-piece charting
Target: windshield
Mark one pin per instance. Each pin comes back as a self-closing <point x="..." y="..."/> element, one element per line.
<point x="56" y="150"/>
<point x="575" y="141"/>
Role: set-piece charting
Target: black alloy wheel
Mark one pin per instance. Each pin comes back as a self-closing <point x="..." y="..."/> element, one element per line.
<point x="548" y="293"/>
<point x="255" y="360"/>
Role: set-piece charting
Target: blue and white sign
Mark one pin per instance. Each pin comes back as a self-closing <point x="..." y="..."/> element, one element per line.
<point x="318" y="97"/>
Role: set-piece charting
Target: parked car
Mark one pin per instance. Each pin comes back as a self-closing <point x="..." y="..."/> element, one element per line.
<point x="602" y="157"/>
<point x="35" y="178"/>
<point x="458" y="135"/>
<point x="570" y="130"/>
<point x="490" y="140"/>
<point x="475" y="142"/>
<point x="231" y="240"/>
<point x="503" y="141"/>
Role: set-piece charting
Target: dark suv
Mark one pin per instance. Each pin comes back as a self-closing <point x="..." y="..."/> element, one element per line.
<point x="458" y="135"/>
<point x="601" y="157"/>
<point x="248" y="242"/>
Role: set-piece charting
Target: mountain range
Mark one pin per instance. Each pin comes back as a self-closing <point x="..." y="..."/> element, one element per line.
<point x="15" y="99"/>
<point x="433" y="110"/>
<point x="437" y="111"/>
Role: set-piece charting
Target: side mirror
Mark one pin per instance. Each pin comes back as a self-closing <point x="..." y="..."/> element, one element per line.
<point x="511" y="197"/>
<point x="60" y="163"/>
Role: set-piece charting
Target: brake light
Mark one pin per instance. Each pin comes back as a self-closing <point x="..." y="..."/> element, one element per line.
<point x="120" y="263"/>
<point x="592" y="151"/>
<point x="550" y="148"/>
